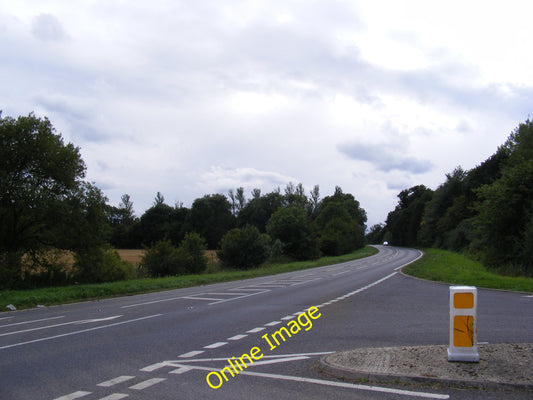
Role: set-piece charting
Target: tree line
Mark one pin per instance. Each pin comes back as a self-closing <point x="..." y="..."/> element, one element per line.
<point x="47" y="207"/>
<point x="486" y="211"/>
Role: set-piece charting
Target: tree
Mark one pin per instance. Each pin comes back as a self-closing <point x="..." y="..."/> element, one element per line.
<point x="291" y="226"/>
<point x="258" y="211"/>
<point x="244" y="248"/>
<point x="211" y="217"/>
<point x="505" y="208"/>
<point x="405" y="221"/>
<point x="44" y="202"/>
<point x="340" y="223"/>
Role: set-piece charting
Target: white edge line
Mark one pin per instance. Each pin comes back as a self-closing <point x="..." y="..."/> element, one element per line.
<point x="410" y="262"/>
<point x="78" y="332"/>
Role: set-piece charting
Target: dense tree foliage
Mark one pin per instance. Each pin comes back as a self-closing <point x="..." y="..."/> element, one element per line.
<point x="46" y="208"/>
<point x="487" y="211"/>
<point x="44" y="202"/>
<point x="244" y="248"/>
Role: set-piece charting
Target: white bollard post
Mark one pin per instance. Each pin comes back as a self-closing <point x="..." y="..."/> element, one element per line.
<point x="463" y="320"/>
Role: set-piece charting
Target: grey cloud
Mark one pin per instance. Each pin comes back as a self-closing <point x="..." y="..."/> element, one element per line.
<point x="385" y="157"/>
<point x="47" y="27"/>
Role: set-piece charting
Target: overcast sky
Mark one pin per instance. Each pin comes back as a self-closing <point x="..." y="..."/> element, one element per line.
<point x="196" y="97"/>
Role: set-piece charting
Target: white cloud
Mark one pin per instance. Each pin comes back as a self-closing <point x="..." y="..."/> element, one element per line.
<point x="190" y="98"/>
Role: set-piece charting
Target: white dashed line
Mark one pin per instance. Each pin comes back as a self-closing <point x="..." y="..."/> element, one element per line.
<point x="115" y="381"/>
<point x="72" y="396"/>
<point x="215" y="345"/>
<point x="237" y="337"/>
<point x="287" y="317"/>
<point x="191" y="354"/>
<point x="255" y="330"/>
<point x="147" y="383"/>
<point x="273" y="323"/>
<point x="180" y="371"/>
<point x="115" y="396"/>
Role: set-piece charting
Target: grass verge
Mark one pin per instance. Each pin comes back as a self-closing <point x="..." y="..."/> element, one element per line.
<point x="68" y="294"/>
<point x="449" y="267"/>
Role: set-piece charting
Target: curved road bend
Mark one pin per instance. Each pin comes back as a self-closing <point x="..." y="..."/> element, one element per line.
<point x="163" y="345"/>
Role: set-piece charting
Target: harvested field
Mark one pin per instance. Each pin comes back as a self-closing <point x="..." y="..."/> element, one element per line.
<point x="133" y="256"/>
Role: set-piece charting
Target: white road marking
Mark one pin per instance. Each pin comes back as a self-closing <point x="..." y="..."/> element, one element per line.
<point x="115" y="381"/>
<point x="273" y="323"/>
<point x="237" y="337"/>
<point x="29" y="322"/>
<point x="115" y="396"/>
<point x="72" y="396"/>
<point x="240" y="297"/>
<point x="340" y="273"/>
<point x="333" y="383"/>
<point x="288" y="317"/>
<point x="89" y="321"/>
<point x="200" y="298"/>
<point x="191" y="354"/>
<point x="153" y="367"/>
<point x="152" y="302"/>
<point x="180" y="370"/>
<point x="78" y="332"/>
<point x="281" y="356"/>
<point x="255" y="330"/>
<point x="410" y="262"/>
<point x="83" y="321"/>
<point x="147" y="383"/>
<point x="216" y="345"/>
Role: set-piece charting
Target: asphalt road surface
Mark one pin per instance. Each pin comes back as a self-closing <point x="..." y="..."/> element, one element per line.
<point x="164" y="345"/>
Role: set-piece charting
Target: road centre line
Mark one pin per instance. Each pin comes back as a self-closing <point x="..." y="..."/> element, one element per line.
<point x="115" y="381"/>
<point x="29" y="322"/>
<point x="255" y="330"/>
<point x="330" y="383"/>
<point x="273" y="323"/>
<point x="54" y="326"/>
<point x="216" y="345"/>
<point x="78" y="332"/>
<point x="147" y="383"/>
<point x="72" y="396"/>
<point x="237" y="337"/>
<point x="189" y="354"/>
<point x="115" y="396"/>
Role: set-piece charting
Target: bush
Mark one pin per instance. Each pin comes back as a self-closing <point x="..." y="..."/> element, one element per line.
<point x="101" y="265"/>
<point x="162" y="259"/>
<point x="244" y="248"/>
<point x="191" y="253"/>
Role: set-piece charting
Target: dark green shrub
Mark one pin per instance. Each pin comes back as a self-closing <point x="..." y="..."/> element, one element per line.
<point x="101" y="265"/>
<point x="162" y="259"/>
<point x="244" y="248"/>
<point x="191" y="253"/>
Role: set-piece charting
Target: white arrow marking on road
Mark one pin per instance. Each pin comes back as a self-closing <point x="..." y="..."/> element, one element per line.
<point x="89" y="321"/>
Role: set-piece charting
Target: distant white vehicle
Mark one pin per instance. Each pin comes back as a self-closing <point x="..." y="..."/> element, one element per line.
<point x="385" y="243"/>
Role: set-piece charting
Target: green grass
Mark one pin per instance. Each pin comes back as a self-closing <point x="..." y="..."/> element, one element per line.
<point x="67" y="294"/>
<point x="449" y="267"/>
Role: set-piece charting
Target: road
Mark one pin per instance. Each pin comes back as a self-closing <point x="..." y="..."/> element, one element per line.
<point x="163" y="345"/>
